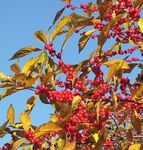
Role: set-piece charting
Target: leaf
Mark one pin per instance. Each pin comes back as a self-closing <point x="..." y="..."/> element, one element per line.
<point x="32" y="80"/>
<point x="115" y="100"/>
<point x="18" y="143"/>
<point x="43" y="98"/>
<point x="139" y="92"/>
<point x="11" y="115"/>
<point x="60" y="26"/>
<point x="98" y="105"/>
<point x="42" y="58"/>
<point x="24" y="51"/>
<point x="123" y="117"/>
<point x="70" y="146"/>
<point x="7" y="92"/>
<point x="15" y="68"/>
<point x="75" y="102"/>
<point x="31" y="102"/>
<point x="84" y="39"/>
<point x="25" y="120"/>
<point x="129" y="135"/>
<point x="68" y="35"/>
<point x="104" y="33"/>
<point x="2" y="129"/>
<point x="135" y="147"/>
<point x="46" y="128"/>
<point x="59" y="13"/>
<point x="138" y="2"/>
<point x="3" y="77"/>
<point x="136" y="122"/>
<point x="29" y="65"/>
<point x="41" y="36"/>
<point x="140" y="24"/>
<point x="96" y="137"/>
<point x="61" y="143"/>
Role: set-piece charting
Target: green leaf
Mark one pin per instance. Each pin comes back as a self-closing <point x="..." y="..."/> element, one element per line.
<point x="18" y="143"/>
<point x="24" y="51"/>
<point x="15" y="68"/>
<point x="75" y="102"/>
<point x="84" y="39"/>
<point x="2" y="129"/>
<point x="46" y="128"/>
<point x="25" y="120"/>
<point x="70" y="146"/>
<point x="29" y="65"/>
<point x="135" y="147"/>
<point x="3" y="77"/>
<point x="31" y="102"/>
<point x="60" y="26"/>
<point x="59" y="13"/>
<point x="11" y="115"/>
<point x="41" y="36"/>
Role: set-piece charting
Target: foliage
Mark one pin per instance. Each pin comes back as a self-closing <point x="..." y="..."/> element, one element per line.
<point x="99" y="112"/>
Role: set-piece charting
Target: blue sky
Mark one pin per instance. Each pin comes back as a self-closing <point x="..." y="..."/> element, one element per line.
<point x="18" y="22"/>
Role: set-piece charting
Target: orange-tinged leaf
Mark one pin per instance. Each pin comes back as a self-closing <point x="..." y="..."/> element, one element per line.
<point x="138" y="2"/>
<point x="59" y="13"/>
<point x="139" y="92"/>
<point x="24" y="51"/>
<point x="60" y="26"/>
<point x="46" y="128"/>
<point x="31" y="102"/>
<point x="15" y="68"/>
<point x="18" y="143"/>
<point x="11" y="115"/>
<point x="135" y="147"/>
<point x="25" y="120"/>
<point x="2" y="128"/>
<point x="41" y="36"/>
<point x="75" y="102"/>
<point x="7" y="92"/>
<point x="136" y="122"/>
<point x="129" y="135"/>
<point x="70" y="146"/>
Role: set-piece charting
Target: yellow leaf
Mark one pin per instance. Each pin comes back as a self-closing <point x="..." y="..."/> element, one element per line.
<point x="11" y="115"/>
<point x="3" y="77"/>
<point x="24" y="51"/>
<point x="25" y="120"/>
<point x="18" y="143"/>
<point x="29" y="65"/>
<point x="60" y="26"/>
<point x="75" y="102"/>
<point x="139" y="92"/>
<point x="15" y="68"/>
<point x="114" y="97"/>
<point x="46" y="128"/>
<point x="70" y="146"/>
<point x="84" y="39"/>
<point x="31" y="102"/>
<point x="61" y="143"/>
<point x="140" y="23"/>
<point x="135" y="147"/>
<point x="96" y="137"/>
<point x="41" y="36"/>
<point x="42" y="58"/>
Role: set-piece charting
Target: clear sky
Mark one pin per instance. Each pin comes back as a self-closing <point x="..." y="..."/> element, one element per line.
<point x="18" y="22"/>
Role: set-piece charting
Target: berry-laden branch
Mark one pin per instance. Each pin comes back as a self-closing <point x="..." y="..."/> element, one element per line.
<point x="98" y="103"/>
